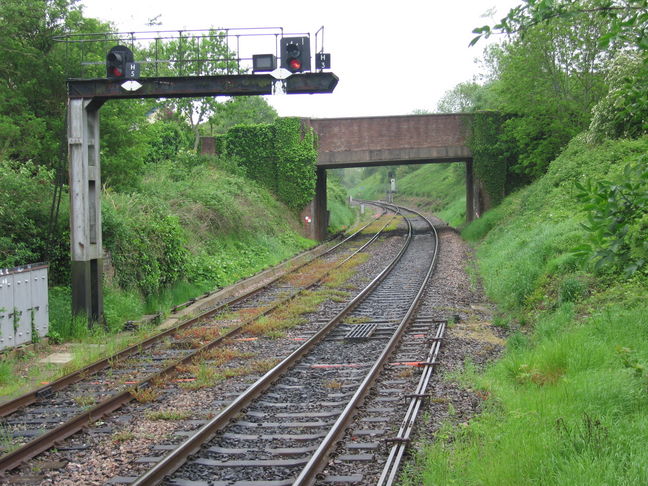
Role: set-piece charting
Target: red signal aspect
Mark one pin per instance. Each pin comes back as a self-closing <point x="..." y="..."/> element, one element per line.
<point x="295" y="64"/>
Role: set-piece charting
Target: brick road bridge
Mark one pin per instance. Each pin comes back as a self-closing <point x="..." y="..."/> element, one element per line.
<point x="391" y="140"/>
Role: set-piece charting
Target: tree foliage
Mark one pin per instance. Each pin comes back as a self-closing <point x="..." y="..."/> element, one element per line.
<point x="23" y="222"/>
<point x="166" y="138"/>
<point x="32" y="87"/>
<point x="204" y="55"/>
<point x="463" y="98"/>
<point x="242" y="110"/>
<point x="623" y="112"/>
<point x="626" y="20"/>
<point x="617" y="219"/>
<point x="124" y="142"/>
<point x="556" y="73"/>
<point x="550" y="79"/>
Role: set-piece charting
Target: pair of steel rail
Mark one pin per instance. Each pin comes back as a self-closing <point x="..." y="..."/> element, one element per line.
<point x="50" y="438"/>
<point x="172" y="461"/>
<point x="177" y="457"/>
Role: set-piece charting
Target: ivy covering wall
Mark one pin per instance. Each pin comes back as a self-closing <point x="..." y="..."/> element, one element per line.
<point x="492" y="154"/>
<point x="281" y="156"/>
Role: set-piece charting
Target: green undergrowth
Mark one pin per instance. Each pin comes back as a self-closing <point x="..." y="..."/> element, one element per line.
<point x="568" y="401"/>
<point x="194" y="225"/>
<point x="342" y="215"/>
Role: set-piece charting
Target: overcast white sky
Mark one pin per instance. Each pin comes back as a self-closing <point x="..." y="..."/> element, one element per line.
<point x="391" y="57"/>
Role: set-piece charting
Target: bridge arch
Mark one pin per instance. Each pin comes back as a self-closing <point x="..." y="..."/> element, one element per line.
<point x="390" y="140"/>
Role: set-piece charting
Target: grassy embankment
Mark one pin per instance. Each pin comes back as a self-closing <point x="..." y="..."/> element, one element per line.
<point x="568" y="401"/>
<point x="341" y="215"/>
<point x="204" y="225"/>
<point x="191" y="226"/>
<point x="437" y="188"/>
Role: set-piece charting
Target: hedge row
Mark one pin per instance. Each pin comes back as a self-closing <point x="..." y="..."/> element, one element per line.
<point x="281" y="156"/>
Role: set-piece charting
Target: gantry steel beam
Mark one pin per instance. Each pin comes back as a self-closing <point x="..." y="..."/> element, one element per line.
<point x="198" y="86"/>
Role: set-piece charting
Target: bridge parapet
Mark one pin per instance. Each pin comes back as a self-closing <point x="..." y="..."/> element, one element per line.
<point x="387" y="140"/>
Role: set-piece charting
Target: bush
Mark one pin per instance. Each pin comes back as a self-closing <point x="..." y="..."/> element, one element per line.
<point x="617" y="221"/>
<point x="193" y="222"/>
<point x="147" y="244"/>
<point x="623" y="112"/>
<point x="26" y="190"/>
<point x="166" y="139"/>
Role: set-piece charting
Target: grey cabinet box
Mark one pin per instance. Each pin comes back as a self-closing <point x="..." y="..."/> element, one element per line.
<point x="24" y="308"/>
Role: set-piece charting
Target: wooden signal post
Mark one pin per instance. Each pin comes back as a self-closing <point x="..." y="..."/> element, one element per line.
<point x="85" y="98"/>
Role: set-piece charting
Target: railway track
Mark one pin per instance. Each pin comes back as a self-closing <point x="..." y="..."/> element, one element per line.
<point x="40" y="419"/>
<point x="284" y="428"/>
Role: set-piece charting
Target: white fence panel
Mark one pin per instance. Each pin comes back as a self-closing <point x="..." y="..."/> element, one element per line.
<point x="6" y="311"/>
<point x="40" y="300"/>
<point x="24" y="308"/>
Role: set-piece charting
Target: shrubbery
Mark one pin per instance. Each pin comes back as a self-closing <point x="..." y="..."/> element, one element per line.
<point x="166" y="139"/>
<point x="623" y="112"/>
<point x="617" y="219"/>
<point x="194" y="222"/>
<point x="26" y="192"/>
<point x="281" y="156"/>
<point x="146" y="242"/>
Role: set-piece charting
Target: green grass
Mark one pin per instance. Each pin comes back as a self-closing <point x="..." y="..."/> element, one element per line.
<point x="441" y="182"/>
<point x="6" y="372"/>
<point x="342" y="216"/>
<point x="189" y="229"/>
<point x="438" y="188"/>
<point x="568" y="402"/>
<point x="455" y="212"/>
<point x="565" y="409"/>
<point x="168" y="414"/>
<point x="119" y="307"/>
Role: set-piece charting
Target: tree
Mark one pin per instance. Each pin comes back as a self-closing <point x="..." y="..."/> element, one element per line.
<point x="206" y="55"/>
<point x="623" y="33"/>
<point x="626" y="20"/>
<point x="32" y="87"/>
<point x="125" y="136"/>
<point x="464" y="97"/>
<point x="548" y="80"/>
<point x="246" y="110"/>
